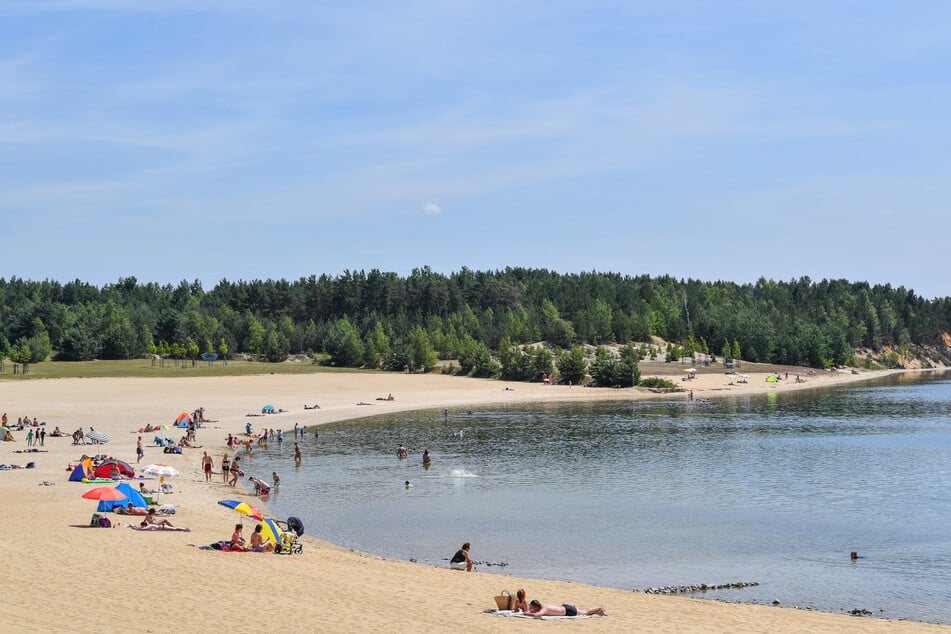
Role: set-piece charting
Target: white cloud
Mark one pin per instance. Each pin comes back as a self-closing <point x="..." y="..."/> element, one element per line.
<point x="431" y="209"/>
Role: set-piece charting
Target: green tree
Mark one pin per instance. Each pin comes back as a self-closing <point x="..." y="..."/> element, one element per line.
<point x="424" y="354"/>
<point x="254" y="342"/>
<point x="542" y="361"/>
<point x="344" y="344"/>
<point x="572" y="365"/>
<point x="516" y="365"/>
<point x="630" y="366"/>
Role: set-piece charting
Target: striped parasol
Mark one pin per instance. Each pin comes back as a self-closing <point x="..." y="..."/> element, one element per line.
<point x="98" y="436"/>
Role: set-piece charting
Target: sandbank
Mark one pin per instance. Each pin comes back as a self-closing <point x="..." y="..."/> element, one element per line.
<point x="64" y="577"/>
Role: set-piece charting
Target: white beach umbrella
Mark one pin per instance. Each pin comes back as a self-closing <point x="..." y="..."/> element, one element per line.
<point x="161" y="470"/>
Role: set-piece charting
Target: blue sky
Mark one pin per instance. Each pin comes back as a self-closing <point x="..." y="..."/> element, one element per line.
<point x="245" y="140"/>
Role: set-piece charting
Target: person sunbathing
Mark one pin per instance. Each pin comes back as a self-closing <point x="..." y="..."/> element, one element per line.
<point x="129" y="509"/>
<point x="150" y="520"/>
<point x="538" y="610"/>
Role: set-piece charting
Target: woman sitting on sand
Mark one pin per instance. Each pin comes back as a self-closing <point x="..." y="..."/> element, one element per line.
<point x="150" y="519"/>
<point x="258" y="545"/>
<point x="237" y="539"/>
<point x="521" y="603"/>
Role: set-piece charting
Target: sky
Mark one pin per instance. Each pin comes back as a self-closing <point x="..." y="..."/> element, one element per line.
<point x="208" y="140"/>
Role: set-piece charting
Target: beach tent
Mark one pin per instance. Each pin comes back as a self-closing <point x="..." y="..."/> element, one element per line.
<point x="183" y="419"/>
<point x="772" y="378"/>
<point x="131" y="495"/>
<point x="105" y="469"/>
<point x="82" y="470"/>
<point x="7" y="434"/>
<point x="267" y="409"/>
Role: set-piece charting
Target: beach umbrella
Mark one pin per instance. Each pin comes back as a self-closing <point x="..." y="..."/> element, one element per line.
<point x="98" y="436"/>
<point x="271" y="531"/>
<point x="104" y="493"/>
<point x="161" y="470"/>
<point x="242" y="507"/>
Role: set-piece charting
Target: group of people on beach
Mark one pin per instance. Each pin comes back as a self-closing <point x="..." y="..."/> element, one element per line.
<point x="22" y="422"/>
<point x="461" y="561"/>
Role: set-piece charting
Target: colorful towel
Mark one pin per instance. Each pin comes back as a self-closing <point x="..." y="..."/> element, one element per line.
<point x="156" y="527"/>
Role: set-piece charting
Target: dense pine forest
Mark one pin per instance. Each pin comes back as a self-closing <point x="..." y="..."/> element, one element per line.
<point x="480" y="319"/>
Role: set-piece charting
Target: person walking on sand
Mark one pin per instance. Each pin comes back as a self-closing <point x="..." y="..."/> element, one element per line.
<point x="206" y="464"/>
<point x="139" y="452"/>
<point x="461" y="560"/>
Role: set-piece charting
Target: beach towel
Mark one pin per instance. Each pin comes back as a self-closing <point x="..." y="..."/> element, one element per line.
<point x="155" y="527"/>
<point x="522" y="615"/>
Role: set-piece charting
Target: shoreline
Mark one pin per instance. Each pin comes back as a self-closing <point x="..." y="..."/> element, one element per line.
<point x="327" y="587"/>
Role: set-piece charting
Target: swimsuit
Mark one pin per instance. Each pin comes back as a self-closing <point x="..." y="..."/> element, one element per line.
<point x="570" y="610"/>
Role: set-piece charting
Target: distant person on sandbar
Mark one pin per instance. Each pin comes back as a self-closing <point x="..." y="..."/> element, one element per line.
<point x="461" y="560"/>
<point x="538" y="609"/>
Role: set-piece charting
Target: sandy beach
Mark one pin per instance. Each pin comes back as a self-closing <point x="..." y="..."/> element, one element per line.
<point x="64" y="576"/>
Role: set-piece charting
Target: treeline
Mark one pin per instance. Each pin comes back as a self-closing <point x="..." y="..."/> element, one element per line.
<point x="480" y="318"/>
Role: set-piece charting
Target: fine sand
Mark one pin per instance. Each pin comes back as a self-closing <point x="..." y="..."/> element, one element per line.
<point x="63" y="576"/>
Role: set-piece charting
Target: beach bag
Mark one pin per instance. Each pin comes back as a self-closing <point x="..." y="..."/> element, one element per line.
<point x="505" y="601"/>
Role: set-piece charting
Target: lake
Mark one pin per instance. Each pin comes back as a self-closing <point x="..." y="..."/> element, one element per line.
<point x="774" y="489"/>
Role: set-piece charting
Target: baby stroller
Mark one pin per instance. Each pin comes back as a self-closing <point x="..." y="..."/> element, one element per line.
<point x="287" y="543"/>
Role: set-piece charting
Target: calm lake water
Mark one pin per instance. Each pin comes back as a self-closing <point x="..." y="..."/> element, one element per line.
<point x="775" y="489"/>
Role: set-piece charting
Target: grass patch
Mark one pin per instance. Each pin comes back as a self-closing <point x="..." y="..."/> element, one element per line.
<point x="146" y="368"/>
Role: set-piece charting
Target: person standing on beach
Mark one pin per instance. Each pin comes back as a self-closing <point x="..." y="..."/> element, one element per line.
<point x="235" y="471"/>
<point x="43" y="437"/>
<point x="206" y="465"/>
<point x="225" y="468"/>
<point x="139" y="452"/>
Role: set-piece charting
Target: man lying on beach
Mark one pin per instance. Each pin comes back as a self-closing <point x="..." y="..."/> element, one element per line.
<point x="537" y="609"/>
